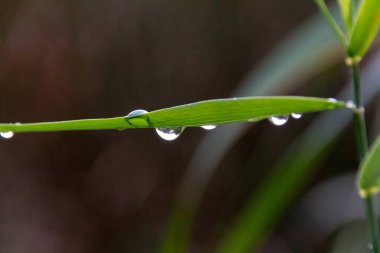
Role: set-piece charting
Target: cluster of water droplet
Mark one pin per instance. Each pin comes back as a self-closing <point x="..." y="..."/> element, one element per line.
<point x="137" y="118"/>
<point x="351" y="105"/>
<point x="281" y="120"/>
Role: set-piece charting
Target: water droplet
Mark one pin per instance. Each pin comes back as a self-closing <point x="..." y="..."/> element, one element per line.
<point x="332" y="100"/>
<point x="350" y="105"/>
<point x="136" y="113"/>
<point x="296" y="115"/>
<point x="138" y="118"/>
<point x="278" y="120"/>
<point x="169" y="134"/>
<point x="370" y="246"/>
<point x="208" y="127"/>
<point x="7" y="135"/>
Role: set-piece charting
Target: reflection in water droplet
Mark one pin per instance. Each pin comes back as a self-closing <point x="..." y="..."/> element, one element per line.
<point x="278" y="120"/>
<point x="138" y="118"/>
<point x="332" y="100"/>
<point x="136" y="113"/>
<point x="169" y="134"/>
<point x="208" y="127"/>
<point x="350" y="105"/>
<point x="296" y="115"/>
<point x="7" y="135"/>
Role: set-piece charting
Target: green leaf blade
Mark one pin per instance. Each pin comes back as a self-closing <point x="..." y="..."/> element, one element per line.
<point x="331" y="21"/>
<point x="210" y="112"/>
<point x="222" y="111"/>
<point x="365" y="28"/>
<point x="69" y="125"/>
<point x="346" y="12"/>
<point x="369" y="174"/>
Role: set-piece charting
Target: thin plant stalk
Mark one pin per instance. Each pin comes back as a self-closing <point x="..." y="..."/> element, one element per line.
<point x="362" y="146"/>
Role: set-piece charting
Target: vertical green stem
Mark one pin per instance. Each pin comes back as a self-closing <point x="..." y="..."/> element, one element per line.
<point x="372" y="223"/>
<point x="362" y="146"/>
<point x="359" y="121"/>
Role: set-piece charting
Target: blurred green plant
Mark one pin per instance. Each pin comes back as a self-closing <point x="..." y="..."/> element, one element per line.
<point x="369" y="177"/>
<point x="295" y="60"/>
<point x="362" y="25"/>
<point x="307" y="51"/>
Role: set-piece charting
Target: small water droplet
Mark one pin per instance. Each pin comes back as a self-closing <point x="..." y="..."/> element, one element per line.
<point x="296" y="115"/>
<point x="208" y="127"/>
<point x="7" y="135"/>
<point x="332" y="100"/>
<point x="370" y="246"/>
<point x="350" y="105"/>
<point x="278" y="120"/>
<point x="138" y="118"/>
<point x="169" y="134"/>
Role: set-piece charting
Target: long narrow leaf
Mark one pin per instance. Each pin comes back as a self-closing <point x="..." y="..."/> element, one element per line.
<point x="331" y="21"/>
<point x="365" y="28"/>
<point x="346" y="12"/>
<point x="369" y="175"/>
<point x="210" y="112"/>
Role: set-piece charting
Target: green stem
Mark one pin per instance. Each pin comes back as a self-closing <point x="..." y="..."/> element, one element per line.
<point x="359" y="121"/>
<point x="372" y="222"/>
<point x="362" y="146"/>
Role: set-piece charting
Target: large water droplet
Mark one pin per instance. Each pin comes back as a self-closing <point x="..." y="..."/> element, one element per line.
<point x="169" y="134"/>
<point x="278" y="120"/>
<point x="137" y="118"/>
<point x="296" y="115"/>
<point x="7" y="135"/>
<point x="136" y="113"/>
<point x="208" y="127"/>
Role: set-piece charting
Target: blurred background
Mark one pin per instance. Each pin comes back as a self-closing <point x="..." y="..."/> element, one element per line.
<point x="236" y="189"/>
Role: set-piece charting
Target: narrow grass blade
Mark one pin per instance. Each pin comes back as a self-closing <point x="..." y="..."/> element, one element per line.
<point x="210" y="112"/>
<point x="369" y="174"/>
<point x="69" y="125"/>
<point x="222" y="111"/>
<point x="365" y="28"/>
<point x="346" y="12"/>
<point x="331" y="21"/>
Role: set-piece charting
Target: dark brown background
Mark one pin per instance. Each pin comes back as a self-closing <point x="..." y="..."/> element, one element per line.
<point x="112" y="191"/>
